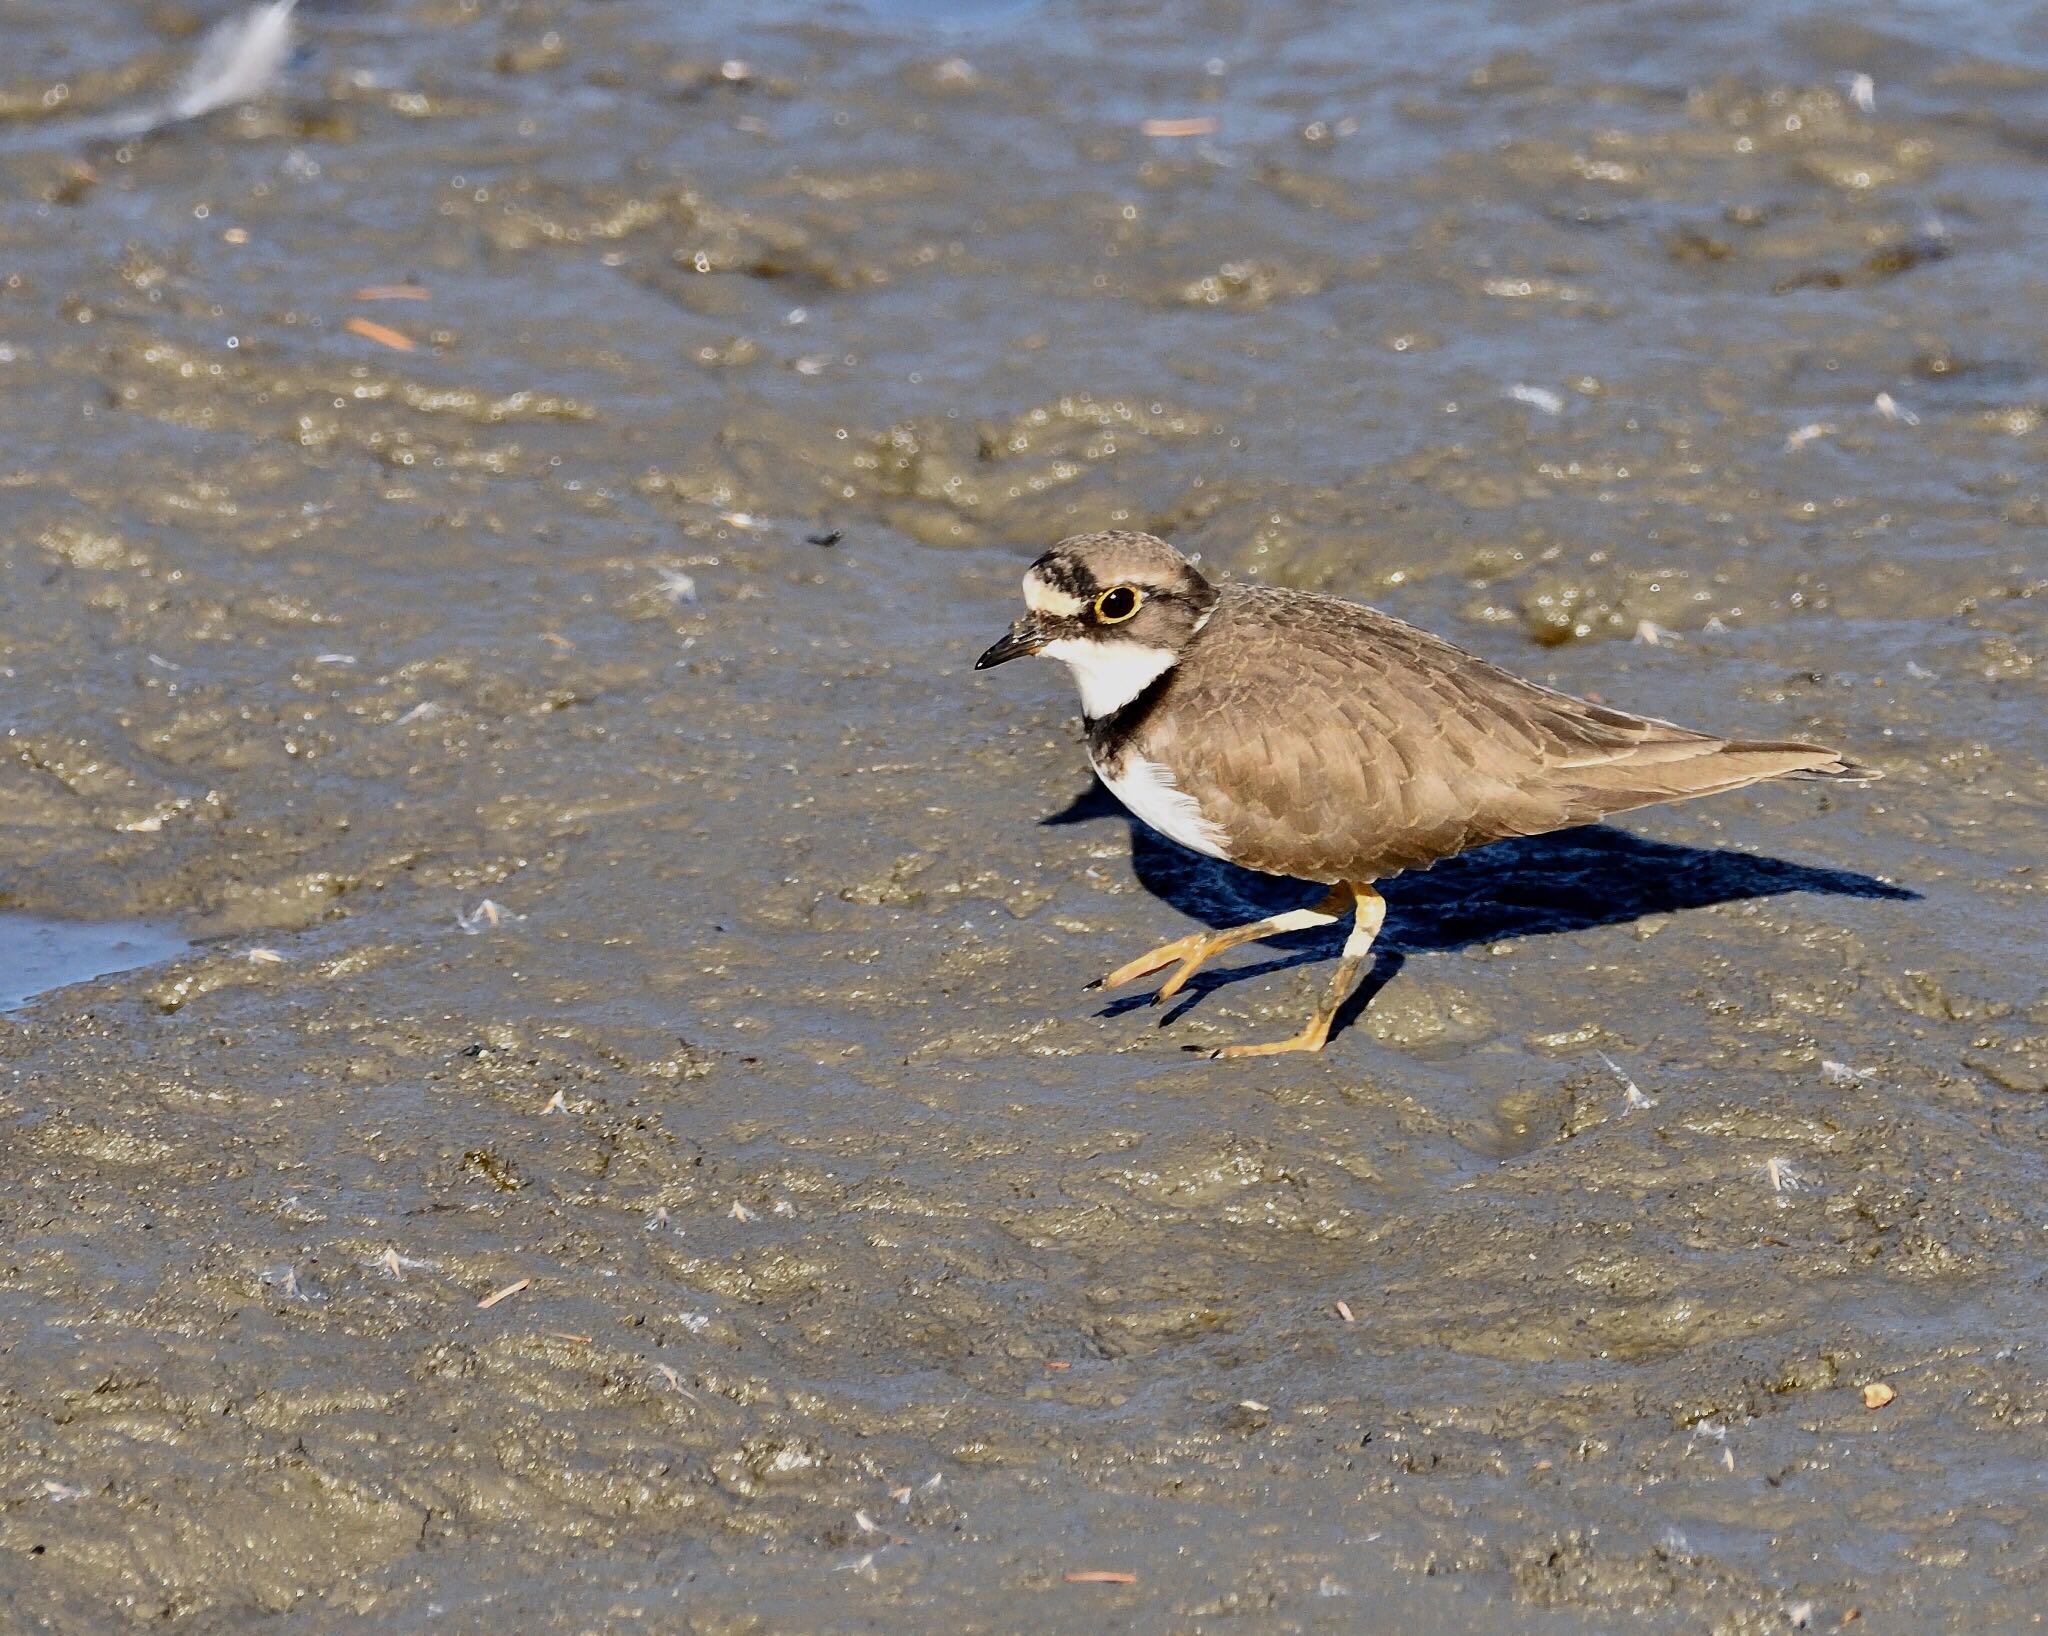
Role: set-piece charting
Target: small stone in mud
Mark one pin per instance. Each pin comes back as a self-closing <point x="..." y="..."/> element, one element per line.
<point x="1877" y="1394"/>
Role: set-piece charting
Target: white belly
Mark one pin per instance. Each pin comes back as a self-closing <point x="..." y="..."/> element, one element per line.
<point x="1149" y="791"/>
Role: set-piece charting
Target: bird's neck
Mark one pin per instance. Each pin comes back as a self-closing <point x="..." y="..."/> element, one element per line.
<point x="1110" y="674"/>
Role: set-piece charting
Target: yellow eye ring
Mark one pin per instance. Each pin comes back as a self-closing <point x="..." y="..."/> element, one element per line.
<point x="1118" y="603"/>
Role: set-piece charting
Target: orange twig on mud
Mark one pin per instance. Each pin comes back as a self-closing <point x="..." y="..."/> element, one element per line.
<point x="383" y="334"/>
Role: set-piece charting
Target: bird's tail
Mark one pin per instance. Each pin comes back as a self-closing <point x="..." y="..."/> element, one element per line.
<point x="1679" y="769"/>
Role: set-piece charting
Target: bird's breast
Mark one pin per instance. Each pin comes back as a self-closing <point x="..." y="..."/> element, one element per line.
<point x="1153" y="794"/>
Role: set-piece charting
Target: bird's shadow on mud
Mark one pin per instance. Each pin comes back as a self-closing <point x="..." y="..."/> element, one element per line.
<point x="1577" y="878"/>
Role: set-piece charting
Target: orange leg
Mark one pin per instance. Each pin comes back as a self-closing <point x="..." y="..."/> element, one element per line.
<point x="1191" y="951"/>
<point x="1372" y="911"/>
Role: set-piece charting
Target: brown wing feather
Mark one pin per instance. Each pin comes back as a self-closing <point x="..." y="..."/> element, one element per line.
<point x="1334" y="742"/>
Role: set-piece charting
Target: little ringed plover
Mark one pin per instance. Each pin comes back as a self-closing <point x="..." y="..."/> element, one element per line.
<point x="1306" y="736"/>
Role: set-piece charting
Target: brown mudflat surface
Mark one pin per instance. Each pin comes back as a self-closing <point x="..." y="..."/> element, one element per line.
<point x="596" y="887"/>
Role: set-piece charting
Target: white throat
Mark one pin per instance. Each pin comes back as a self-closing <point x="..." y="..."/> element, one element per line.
<point x="1109" y="673"/>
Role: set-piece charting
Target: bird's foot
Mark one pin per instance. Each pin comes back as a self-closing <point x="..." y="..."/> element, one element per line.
<point x="1188" y="950"/>
<point x="1311" y="1038"/>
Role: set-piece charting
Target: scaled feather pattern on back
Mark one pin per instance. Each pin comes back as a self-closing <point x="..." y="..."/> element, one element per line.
<point x="1332" y="742"/>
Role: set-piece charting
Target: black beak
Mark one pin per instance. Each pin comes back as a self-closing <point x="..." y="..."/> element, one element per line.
<point x="1023" y="638"/>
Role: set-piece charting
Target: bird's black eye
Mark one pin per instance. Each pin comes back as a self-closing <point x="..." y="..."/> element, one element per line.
<point x="1117" y="604"/>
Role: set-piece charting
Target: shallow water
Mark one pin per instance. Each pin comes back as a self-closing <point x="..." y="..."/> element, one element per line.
<point x="768" y="1063"/>
<point x="39" y="953"/>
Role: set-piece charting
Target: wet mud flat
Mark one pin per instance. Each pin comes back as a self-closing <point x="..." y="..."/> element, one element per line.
<point x="626" y="1147"/>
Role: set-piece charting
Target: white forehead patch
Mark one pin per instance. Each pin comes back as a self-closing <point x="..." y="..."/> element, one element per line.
<point x="1042" y="598"/>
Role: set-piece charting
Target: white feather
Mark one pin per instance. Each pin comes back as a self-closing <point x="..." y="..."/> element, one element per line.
<point x="238" y="62"/>
<point x="1109" y="673"/>
<point x="1040" y="597"/>
<point x="1149" y="790"/>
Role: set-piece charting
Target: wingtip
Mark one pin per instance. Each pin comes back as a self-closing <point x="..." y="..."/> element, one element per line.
<point x="1842" y="770"/>
<point x="1815" y="761"/>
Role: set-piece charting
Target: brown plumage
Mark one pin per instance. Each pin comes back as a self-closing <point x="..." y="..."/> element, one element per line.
<point x="1302" y="735"/>
<point x="1332" y="742"/>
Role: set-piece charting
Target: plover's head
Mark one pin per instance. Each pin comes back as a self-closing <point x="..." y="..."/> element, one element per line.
<point x="1118" y="609"/>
